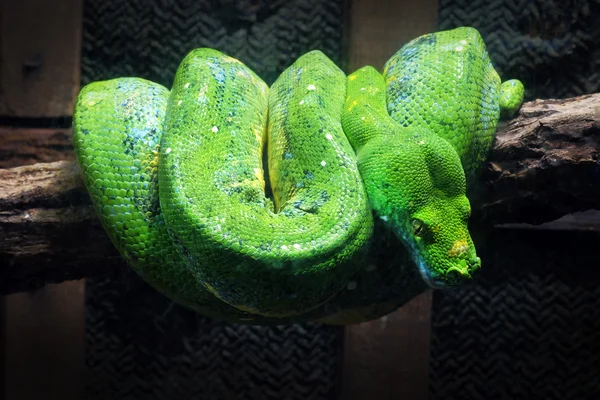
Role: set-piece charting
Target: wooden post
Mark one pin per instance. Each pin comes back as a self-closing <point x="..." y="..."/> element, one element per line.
<point x="40" y="47"/>
<point x="388" y="358"/>
<point x="377" y="29"/>
<point x="42" y="333"/>
<point x="44" y="340"/>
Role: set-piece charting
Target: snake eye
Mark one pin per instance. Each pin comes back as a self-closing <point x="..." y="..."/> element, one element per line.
<point x="418" y="227"/>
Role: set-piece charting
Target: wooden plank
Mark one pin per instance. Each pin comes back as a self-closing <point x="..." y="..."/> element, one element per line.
<point x="24" y="146"/>
<point x="44" y="341"/>
<point x="388" y="358"/>
<point x="40" y="45"/>
<point x="380" y="28"/>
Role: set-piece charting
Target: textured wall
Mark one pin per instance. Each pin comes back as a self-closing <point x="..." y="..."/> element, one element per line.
<point x="139" y="345"/>
<point x="149" y="38"/>
<point x="530" y="328"/>
<point x="551" y="45"/>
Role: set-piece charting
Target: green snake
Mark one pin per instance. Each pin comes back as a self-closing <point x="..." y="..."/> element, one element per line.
<point x="259" y="204"/>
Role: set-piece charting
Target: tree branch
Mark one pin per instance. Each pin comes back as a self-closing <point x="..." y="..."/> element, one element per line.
<point x="545" y="163"/>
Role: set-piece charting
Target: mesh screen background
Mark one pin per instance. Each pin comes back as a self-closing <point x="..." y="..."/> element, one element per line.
<point x="550" y="45"/>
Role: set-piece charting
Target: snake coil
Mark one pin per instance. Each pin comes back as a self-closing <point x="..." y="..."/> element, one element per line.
<point x="177" y="176"/>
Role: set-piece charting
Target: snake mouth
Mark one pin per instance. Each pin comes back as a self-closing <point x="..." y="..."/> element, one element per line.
<point x="454" y="276"/>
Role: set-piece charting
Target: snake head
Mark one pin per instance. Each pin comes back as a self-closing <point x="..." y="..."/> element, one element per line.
<point x="439" y="241"/>
<point x="416" y="184"/>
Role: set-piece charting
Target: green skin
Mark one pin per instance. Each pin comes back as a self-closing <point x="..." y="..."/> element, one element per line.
<point x="420" y="133"/>
<point x="340" y="151"/>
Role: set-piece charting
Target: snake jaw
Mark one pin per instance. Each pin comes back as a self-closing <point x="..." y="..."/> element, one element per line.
<point x="454" y="276"/>
<point x="441" y="261"/>
<point x="428" y="278"/>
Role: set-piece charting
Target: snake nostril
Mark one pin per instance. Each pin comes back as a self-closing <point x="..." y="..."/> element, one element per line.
<point x="453" y="276"/>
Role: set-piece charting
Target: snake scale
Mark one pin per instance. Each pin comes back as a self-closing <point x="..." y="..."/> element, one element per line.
<point x="258" y="204"/>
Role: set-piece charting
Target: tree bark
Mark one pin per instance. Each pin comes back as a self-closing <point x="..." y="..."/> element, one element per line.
<point x="545" y="163"/>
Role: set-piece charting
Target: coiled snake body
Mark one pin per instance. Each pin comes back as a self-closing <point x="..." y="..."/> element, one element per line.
<point x="177" y="176"/>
